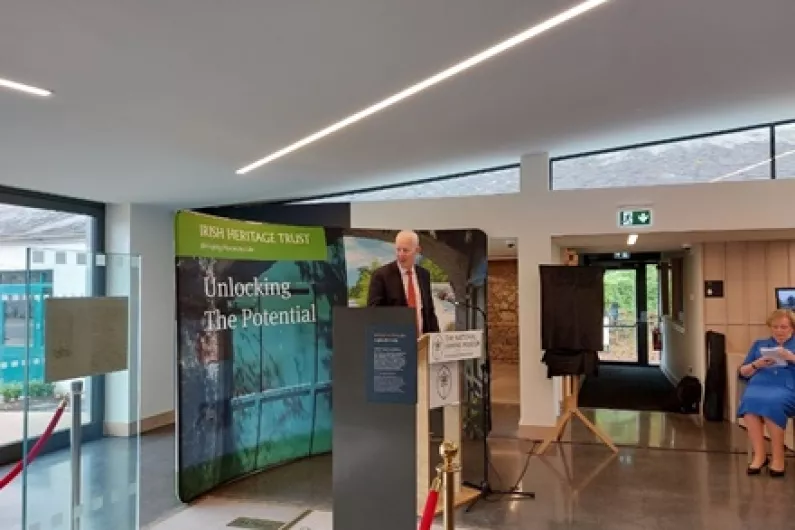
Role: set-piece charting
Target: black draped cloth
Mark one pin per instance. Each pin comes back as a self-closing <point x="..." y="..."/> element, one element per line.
<point x="571" y="362"/>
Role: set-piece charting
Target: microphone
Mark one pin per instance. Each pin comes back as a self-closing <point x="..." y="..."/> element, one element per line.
<point x="447" y="296"/>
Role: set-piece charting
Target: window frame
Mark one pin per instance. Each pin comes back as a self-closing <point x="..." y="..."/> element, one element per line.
<point x="770" y="126"/>
<point x="93" y="430"/>
<point x="302" y="201"/>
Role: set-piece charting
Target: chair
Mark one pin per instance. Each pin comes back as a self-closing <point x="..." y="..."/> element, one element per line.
<point x="741" y="385"/>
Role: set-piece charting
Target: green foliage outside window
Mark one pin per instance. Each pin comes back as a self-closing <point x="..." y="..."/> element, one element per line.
<point x="358" y="293"/>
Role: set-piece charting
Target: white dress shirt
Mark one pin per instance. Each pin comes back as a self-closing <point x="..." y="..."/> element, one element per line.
<point x="417" y="296"/>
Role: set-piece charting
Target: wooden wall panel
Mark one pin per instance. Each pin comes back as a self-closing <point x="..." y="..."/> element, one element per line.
<point x="714" y="266"/>
<point x="777" y="269"/>
<point x="791" y="252"/>
<point x="750" y="272"/>
<point x="756" y="282"/>
<point x="734" y="288"/>
<point x="738" y="339"/>
<point x="757" y="331"/>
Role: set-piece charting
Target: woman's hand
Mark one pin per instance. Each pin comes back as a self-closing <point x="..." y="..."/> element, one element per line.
<point x="787" y="355"/>
<point x="751" y="368"/>
<point x="764" y="362"/>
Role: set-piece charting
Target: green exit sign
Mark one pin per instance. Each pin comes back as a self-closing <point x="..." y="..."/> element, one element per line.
<point x="630" y="218"/>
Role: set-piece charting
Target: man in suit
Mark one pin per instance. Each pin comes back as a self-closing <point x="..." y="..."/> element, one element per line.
<point x="403" y="283"/>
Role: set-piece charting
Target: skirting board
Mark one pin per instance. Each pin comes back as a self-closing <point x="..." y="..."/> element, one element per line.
<point x="123" y="430"/>
<point x="535" y="432"/>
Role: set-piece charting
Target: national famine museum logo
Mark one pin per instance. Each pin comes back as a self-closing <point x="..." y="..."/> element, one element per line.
<point x="436" y="347"/>
<point x="444" y="382"/>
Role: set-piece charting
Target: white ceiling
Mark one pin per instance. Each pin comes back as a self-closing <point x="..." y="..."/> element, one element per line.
<point x="161" y="101"/>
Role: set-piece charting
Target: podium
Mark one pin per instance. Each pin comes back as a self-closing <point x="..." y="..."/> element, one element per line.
<point x="374" y="417"/>
<point x="439" y="357"/>
<point x="385" y="382"/>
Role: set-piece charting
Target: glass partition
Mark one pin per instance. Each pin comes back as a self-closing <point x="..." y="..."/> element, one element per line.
<point x="73" y="341"/>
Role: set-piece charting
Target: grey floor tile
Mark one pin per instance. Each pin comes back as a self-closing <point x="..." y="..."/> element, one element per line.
<point x="672" y="473"/>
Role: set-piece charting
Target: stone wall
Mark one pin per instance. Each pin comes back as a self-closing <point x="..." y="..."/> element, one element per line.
<point x="503" y="311"/>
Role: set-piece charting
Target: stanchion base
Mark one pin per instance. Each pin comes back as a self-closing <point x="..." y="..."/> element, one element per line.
<point x="486" y="491"/>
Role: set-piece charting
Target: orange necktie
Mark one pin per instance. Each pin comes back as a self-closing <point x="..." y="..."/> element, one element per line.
<point x="411" y="296"/>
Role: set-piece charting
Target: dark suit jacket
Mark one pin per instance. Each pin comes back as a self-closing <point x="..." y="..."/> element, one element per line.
<point x="386" y="289"/>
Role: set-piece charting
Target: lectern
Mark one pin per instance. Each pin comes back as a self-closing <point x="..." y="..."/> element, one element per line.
<point x="439" y="357"/>
<point x="385" y="383"/>
<point x="374" y="369"/>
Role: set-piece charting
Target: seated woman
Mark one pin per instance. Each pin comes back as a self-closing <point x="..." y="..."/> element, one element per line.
<point x="769" y="398"/>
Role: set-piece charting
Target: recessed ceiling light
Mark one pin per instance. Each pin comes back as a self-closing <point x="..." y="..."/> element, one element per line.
<point x="27" y="89"/>
<point x="464" y="65"/>
<point x="632" y="239"/>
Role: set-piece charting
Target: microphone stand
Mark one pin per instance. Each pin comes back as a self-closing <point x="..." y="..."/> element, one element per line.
<point x="484" y="487"/>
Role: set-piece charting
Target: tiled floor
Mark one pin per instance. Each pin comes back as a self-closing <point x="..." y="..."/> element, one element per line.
<point x="578" y="487"/>
<point x="110" y="491"/>
<point x="220" y="514"/>
<point x="672" y="473"/>
<point x="11" y="424"/>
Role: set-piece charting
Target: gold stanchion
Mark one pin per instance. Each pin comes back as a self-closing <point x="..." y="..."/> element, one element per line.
<point x="448" y="469"/>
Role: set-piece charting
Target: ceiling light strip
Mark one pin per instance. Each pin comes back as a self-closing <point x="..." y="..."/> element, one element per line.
<point x="21" y="87"/>
<point x="534" y="31"/>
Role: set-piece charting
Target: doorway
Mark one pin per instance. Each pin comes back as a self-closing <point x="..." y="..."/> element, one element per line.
<point x="631" y="307"/>
<point x="630" y="376"/>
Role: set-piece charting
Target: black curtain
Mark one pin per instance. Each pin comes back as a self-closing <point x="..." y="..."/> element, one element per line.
<point x="572" y="308"/>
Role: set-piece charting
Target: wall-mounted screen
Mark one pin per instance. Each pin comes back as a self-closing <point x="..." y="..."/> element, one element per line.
<point x="785" y="298"/>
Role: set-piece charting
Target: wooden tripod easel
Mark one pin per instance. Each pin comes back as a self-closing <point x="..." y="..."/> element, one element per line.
<point x="571" y="392"/>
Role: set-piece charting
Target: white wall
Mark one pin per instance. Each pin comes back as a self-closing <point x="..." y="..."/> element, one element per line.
<point x="145" y="231"/>
<point x="675" y="355"/>
<point x="153" y="230"/>
<point x="536" y="214"/>
<point x="120" y="406"/>
<point x="694" y="313"/>
<point x="684" y="347"/>
<point x="69" y="279"/>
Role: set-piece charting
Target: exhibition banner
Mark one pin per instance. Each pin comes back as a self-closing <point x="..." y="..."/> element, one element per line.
<point x="254" y="324"/>
<point x="254" y="346"/>
<point x="206" y="236"/>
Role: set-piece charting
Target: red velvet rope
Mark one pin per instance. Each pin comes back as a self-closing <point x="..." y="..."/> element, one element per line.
<point x="34" y="451"/>
<point x="430" y="506"/>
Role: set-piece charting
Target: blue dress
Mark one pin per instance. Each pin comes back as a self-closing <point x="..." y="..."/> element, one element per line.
<point x="771" y="390"/>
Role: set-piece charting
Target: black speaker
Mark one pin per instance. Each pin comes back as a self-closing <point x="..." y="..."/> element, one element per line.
<point x="572" y="308"/>
<point x="716" y="382"/>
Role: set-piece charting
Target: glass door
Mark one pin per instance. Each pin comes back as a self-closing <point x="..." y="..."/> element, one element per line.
<point x="624" y="325"/>
<point x="654" y="314"/>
